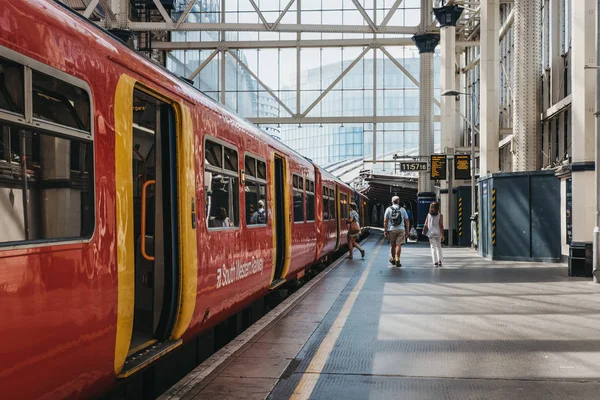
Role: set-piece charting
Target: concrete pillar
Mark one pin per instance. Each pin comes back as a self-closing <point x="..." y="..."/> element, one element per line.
<point x="460" y="109"/>
<point x="583" y="123"/>
<point x="490" y="87"/>
<point x="526" y="86"/>
<point x="426" y="45"/>
<point x="555" y="59"/>
<point x="447" y="17"/>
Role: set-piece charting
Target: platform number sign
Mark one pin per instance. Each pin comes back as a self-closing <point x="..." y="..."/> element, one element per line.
<point x="413" y="166"/>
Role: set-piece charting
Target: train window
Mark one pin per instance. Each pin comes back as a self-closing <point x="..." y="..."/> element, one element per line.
<point x="332" y="213"/>
<point x="325" y="203"/>
<point x="256" y="194"/>
<point x="250" y="163"/>
<point x="213" y="154"/>
<point x="11" y="86"/>
<point x="60" y="102"/>
<point x="343" y="205"/>
<point x="221" y="185"/>
<point x="310" y="200"/>
<point x="298" y="196"/>
<point x="231" y="160"/>
<point x="261" y="170"/>
<point x="46" y="186"/>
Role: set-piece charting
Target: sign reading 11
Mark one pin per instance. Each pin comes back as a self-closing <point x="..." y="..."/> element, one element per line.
<point x="414" y="166"/>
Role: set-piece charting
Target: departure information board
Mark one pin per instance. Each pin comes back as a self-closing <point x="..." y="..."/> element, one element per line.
<point x="438" y="166"/>
<point x="462" y="166"/>
<point x="413" y="166"/>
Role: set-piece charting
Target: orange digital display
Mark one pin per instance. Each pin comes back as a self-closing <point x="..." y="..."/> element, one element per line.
<point x="462" y="166"/>
<point x="438" y="166"/>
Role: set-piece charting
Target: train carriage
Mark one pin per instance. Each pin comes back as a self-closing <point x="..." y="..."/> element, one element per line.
<point x="137" y="212"/>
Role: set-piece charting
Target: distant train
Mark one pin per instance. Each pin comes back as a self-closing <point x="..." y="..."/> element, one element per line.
<point x="136" y="213"/>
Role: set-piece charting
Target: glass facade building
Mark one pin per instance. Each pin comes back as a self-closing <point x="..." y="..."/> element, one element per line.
<point x="264" y="84"/>
<point x="353" y="97"/>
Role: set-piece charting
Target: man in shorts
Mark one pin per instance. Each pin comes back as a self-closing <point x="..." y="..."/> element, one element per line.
<point x="395" y="226"/>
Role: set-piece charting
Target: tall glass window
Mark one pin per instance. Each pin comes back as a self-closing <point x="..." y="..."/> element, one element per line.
<point x="256" y="191"/>
<point x="332" y="204"/>
<point x="326" y="214"/>
<point x="310" y="200"/>
<point x="343" y="205"/>
<point x="298" y="197"/>
<point x="222" y="188"/>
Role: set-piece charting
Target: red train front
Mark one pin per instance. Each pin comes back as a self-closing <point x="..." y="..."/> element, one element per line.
<point x="136" y="213"/>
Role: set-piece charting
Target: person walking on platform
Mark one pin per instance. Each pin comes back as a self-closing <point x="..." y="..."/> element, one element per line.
<point x="434" y="230"/>
<point x="353" y="231"/>
<point x="395" y="226"/>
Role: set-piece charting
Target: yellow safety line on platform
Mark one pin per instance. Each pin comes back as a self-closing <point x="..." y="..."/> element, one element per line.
<point x="310" y="377"/>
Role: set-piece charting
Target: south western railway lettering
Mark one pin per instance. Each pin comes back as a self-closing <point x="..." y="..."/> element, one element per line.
<point x="238" y="271"/>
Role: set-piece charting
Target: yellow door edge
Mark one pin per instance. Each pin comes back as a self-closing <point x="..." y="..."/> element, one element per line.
<point x="188" y="243"/>
<point x="288" y="225"/>
<point x="123" y="107"/>
<point x="273" y="205"/>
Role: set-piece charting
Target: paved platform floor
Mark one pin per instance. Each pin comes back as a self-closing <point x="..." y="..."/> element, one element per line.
<point x="474" y="329"/>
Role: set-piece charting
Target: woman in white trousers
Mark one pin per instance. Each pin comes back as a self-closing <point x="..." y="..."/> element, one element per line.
<point x="435" y="231"/>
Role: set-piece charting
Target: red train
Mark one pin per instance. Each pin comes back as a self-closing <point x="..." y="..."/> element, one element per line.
<point x="136" y="213"/>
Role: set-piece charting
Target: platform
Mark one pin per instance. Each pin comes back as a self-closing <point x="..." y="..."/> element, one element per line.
<point x="473" y="329"/>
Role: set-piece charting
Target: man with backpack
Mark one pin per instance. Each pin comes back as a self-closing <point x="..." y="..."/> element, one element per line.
<point x="395" y="226"/>
<point x="260" y="216"/>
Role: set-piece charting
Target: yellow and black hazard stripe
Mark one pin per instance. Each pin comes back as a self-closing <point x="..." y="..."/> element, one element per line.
<point x="460" y="216"/>
<point x="493" y="217"/>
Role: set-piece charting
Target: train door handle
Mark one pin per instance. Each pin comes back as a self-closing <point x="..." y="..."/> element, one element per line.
<point x="144" y="190"/>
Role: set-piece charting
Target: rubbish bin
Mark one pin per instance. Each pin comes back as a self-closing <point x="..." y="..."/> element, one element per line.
<point x="580" y="259"/>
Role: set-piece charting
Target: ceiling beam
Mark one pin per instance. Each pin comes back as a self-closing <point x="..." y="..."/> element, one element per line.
<point x="260" y="15"/>
<point x="254" y="27"/>
<point x="285" y="44"/>
<point x="475" y="61"/>
<point x="90" y="8"/>
<point x="507" y="24"/>
<point x="204" y="64"/>
<point x="163" y="12"/>
<point x="285" y="10"/>
<point x="365" y="16"/>
<point x="282" y="44"/>
<point x="365" y="119"/>
<point x="390" y="14"/>
<point x="185" y="13"/>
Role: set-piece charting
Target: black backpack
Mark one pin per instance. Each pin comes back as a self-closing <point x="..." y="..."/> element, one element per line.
<point x="396" y="216"/>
